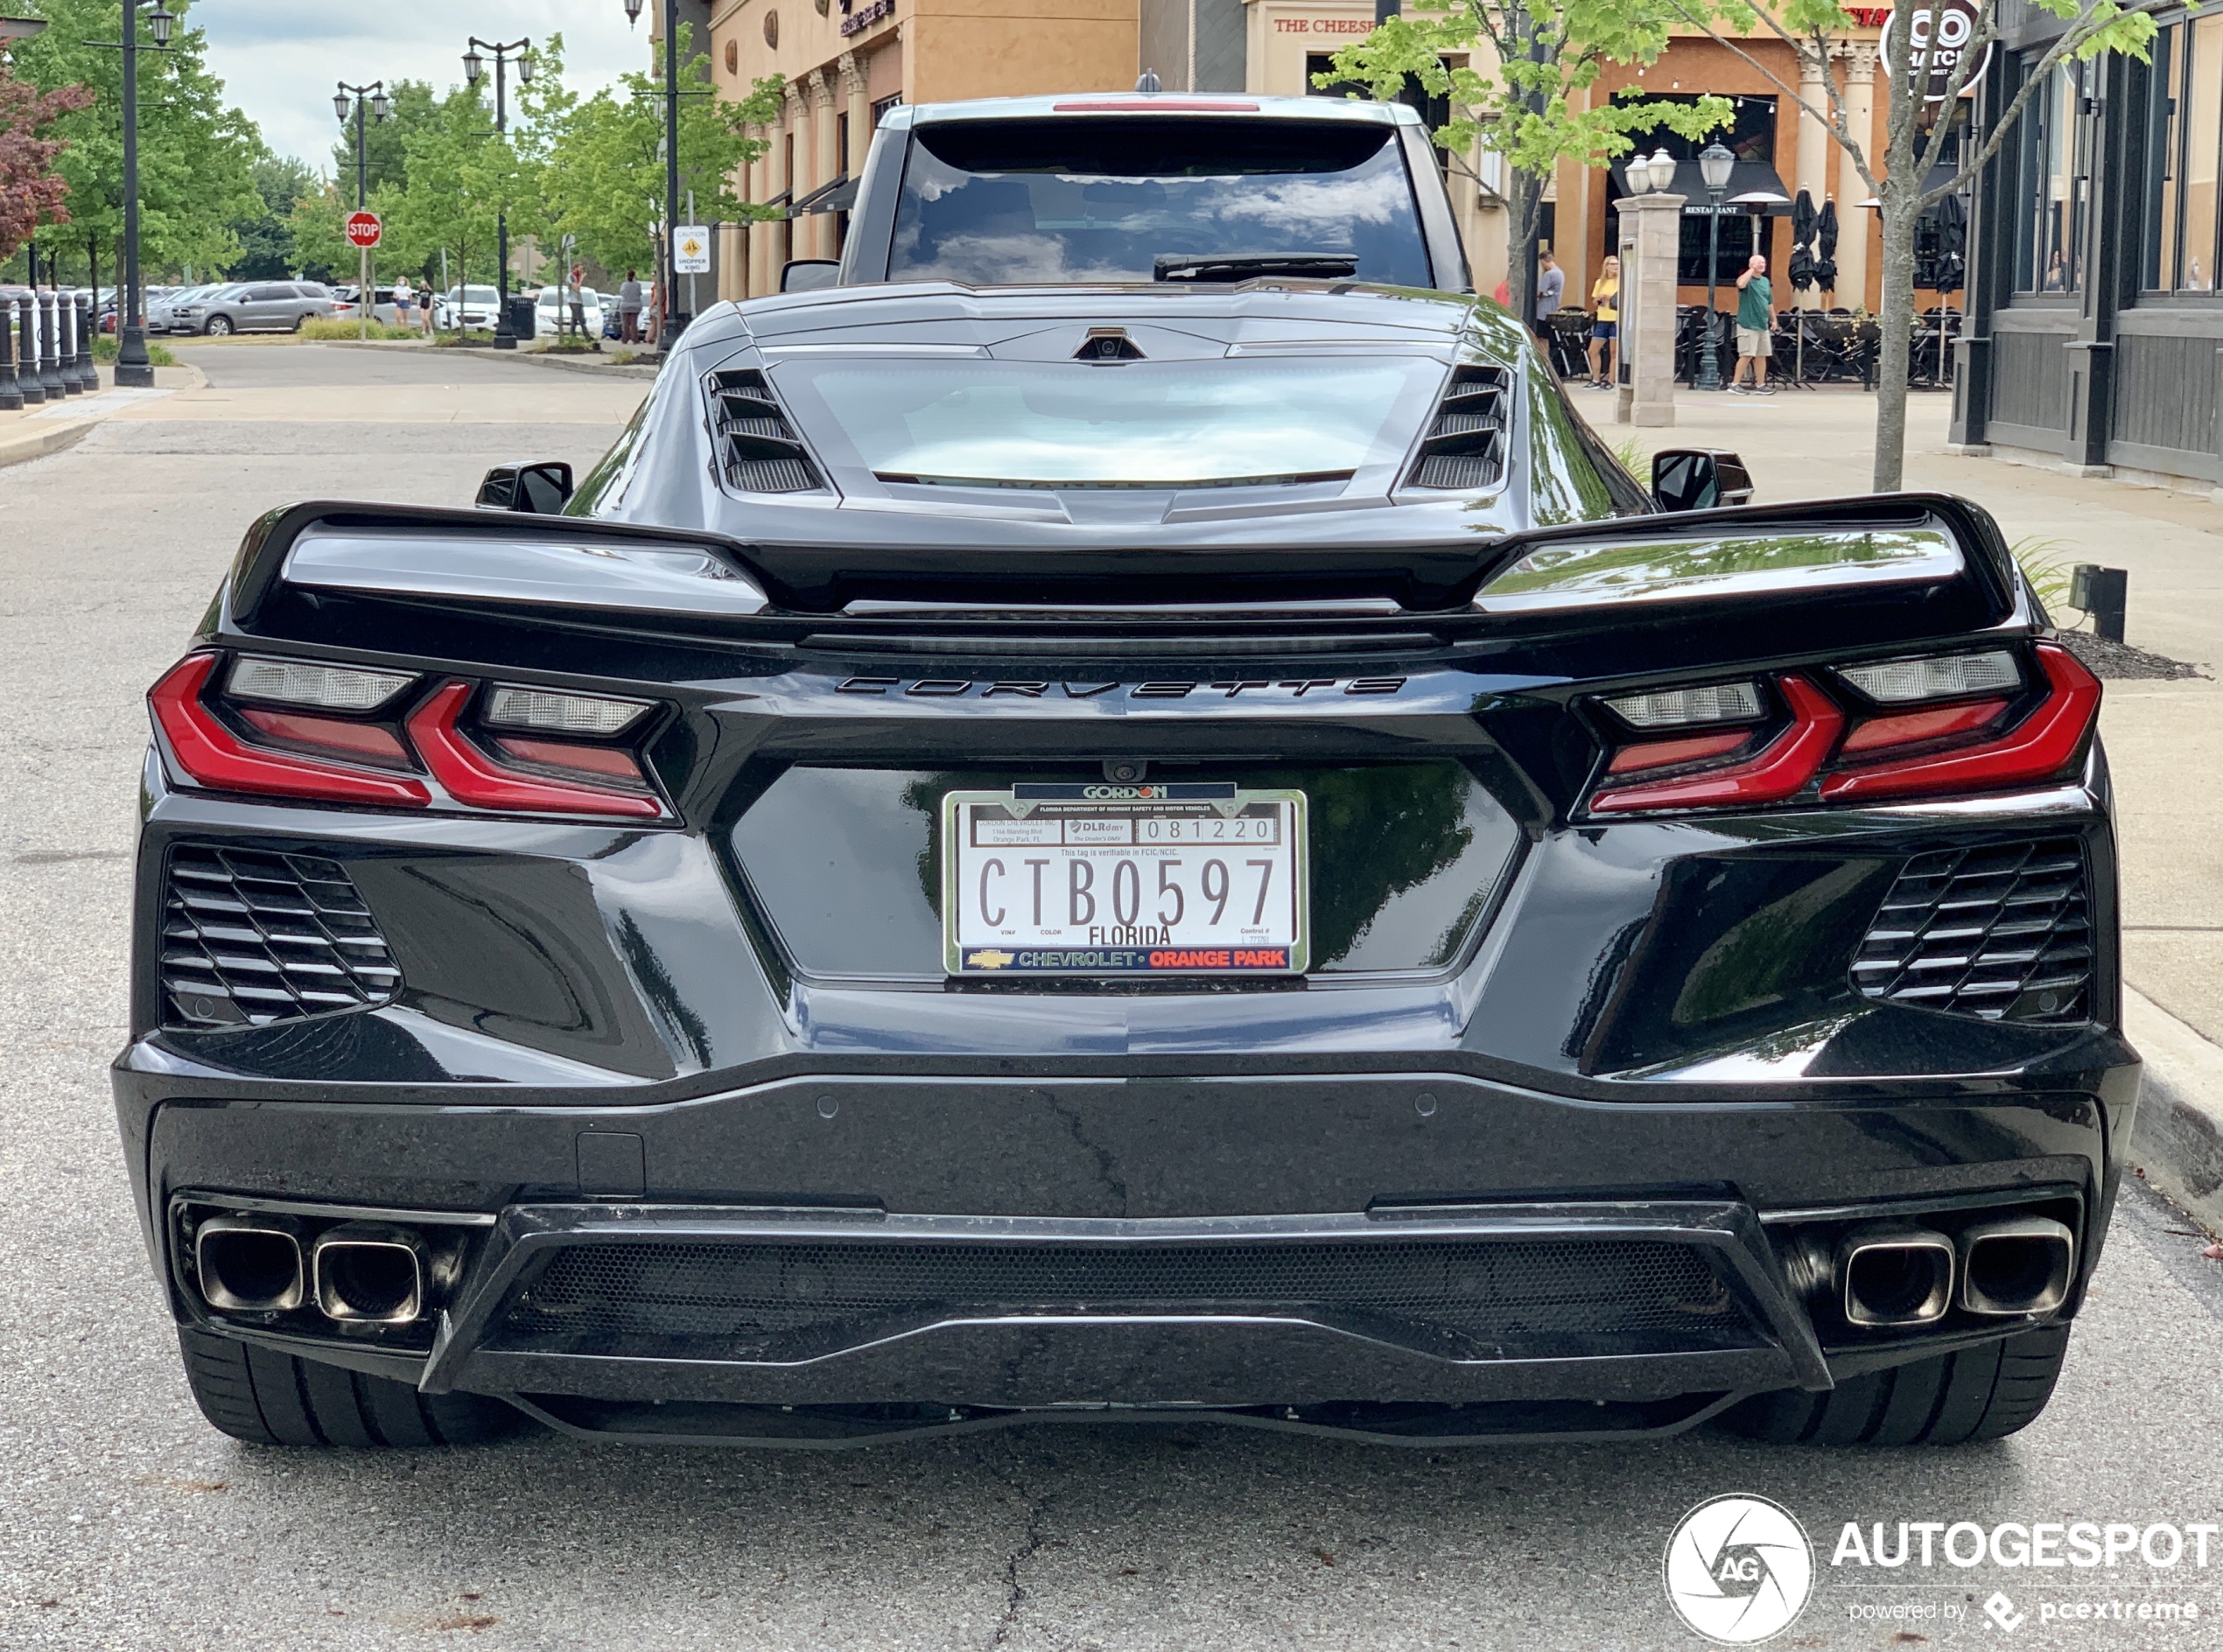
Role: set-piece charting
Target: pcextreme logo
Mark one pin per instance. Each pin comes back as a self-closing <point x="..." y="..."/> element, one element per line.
<point x="1739" y="1569"/>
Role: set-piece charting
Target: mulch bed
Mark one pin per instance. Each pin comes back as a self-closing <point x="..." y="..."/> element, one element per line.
<point x="2119" y="660"/>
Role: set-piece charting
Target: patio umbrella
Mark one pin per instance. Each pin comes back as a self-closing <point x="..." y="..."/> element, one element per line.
<point x="1953" y="242"/>
<point x="1826" y="260"/>
<point x="1802" y="231"/>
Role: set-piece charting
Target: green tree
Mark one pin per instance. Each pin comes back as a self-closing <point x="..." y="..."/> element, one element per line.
<point x="266" y="237"/>
<point x="30" y="190"/>
<point x="412" y="105"/>
<point x="598" y="164"/>
<point x="1529" y="62"/>
<point x="196" y="154"/>
<point x="1914" y="139"/>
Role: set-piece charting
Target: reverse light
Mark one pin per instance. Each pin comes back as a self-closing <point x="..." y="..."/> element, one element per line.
<point x="471" y="776"/>
<point x="335" y="687"/>
<point x="1680" y="708"/>
<point x="1936" y="676"/>
<point x="212" y="755"/>
<point x="2037" y="748"/>
<point x="592" y="714"/>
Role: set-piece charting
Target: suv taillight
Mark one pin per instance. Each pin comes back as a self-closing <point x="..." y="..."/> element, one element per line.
<point x="346" y="734"/>
<point x="1928" y="726"/>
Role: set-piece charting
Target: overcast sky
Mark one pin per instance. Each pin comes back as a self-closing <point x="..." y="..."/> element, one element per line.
<point x="280" y="60"/>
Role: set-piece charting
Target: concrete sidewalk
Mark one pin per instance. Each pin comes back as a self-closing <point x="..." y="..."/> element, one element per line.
<point x="2164" y="739"/>
<point x="33" y="432"/>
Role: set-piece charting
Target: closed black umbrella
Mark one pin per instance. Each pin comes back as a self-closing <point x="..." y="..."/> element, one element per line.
<point x="1826" y="262"/>
<point x="1803" y="217"/>
<point x="1953" y="242"/>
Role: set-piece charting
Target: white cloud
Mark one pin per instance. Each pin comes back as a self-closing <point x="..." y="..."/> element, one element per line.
<point x="280" y="60"/>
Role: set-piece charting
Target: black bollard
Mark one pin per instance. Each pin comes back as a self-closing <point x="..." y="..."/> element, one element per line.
<point x="11" y="393"/>
<point x="2102" y="593"/>
<point x="27" y="382"/>
<point x="50" y="361"/>
<point x="87" y="324"/>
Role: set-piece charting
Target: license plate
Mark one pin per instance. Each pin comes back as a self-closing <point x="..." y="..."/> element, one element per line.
<point x="1186" y="878"/>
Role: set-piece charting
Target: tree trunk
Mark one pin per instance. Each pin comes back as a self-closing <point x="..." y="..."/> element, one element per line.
<point x="1899" y="212"/>
<point x="1524" y="210"/>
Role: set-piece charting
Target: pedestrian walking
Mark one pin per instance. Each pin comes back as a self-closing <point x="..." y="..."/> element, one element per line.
<point x="630" y="307"/>
<point x="404" y="301"/>
<point x="1550" y="286"/>
<point x="1755" y="329"/>
<point x="1605" y="322"/>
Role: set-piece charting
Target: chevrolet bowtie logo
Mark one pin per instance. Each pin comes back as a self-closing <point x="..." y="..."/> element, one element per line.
<point x="989" y="958"/>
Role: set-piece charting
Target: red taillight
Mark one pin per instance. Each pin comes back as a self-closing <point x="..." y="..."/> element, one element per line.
<point x="1647" y="754"/>
<point x="1912" y="728"/>
<point x="212" y="756"/>
<point x="328" y="735"/>
<point x="473" y="777"/>
<point x="1778" y="770"/>
<point x="2037" y="748"/>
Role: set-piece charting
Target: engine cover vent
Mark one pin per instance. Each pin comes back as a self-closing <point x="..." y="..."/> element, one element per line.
<point x="2003" y="932"/>
<point x="250" y="937"/>
<point x="1465" y="447"/>
<point x="762" y="453"/>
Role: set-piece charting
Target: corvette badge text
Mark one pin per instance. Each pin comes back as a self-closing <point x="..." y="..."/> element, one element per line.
<point x="1740" y="1570"/>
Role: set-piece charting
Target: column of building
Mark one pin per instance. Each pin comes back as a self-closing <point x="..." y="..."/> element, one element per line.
<point x="1813" y="174"/>
<point x="1854" y="223"/>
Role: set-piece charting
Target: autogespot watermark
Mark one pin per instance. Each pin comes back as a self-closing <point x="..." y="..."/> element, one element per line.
<point x="1740" y="1570"/>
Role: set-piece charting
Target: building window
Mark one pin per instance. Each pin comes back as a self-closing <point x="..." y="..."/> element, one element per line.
<point x="2184" y="135"/>
<point x="880" y="108"/>
<point x="2049" y="215"/>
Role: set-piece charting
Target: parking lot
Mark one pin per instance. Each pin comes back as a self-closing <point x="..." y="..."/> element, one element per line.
<point x="129" y="1522"/>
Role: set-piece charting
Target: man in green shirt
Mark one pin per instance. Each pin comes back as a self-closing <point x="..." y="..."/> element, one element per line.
<point x="1754" y="318"/>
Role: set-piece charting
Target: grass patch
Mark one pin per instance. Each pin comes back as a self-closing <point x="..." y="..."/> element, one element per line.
<point x="624" y="358"/>
<point x="340" y="327"/>
<point x="568" y="347"/>
<point x="459" y="340"/>
<point x="105" y="346"/>
<point x="1631" y="453"/>
<point x="2045" y="563"/>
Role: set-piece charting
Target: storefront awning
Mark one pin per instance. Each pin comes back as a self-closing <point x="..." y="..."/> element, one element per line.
<point x="837" y="197"/>
<point x="1747" y="179"/>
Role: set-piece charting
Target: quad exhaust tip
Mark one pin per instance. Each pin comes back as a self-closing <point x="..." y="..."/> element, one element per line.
<point x="249" y="1264"/>
<point x="2016" y="1266"/>
<point x="369" y="1273"/>
<point x="1893" y="1274"/>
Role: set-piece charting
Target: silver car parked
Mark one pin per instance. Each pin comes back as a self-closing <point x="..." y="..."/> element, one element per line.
<point x="166" y="309"/>
<point x="259" y="306"/>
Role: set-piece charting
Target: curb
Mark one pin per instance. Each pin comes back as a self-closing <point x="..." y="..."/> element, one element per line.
<point x="39" y="434"/>
<point x="2178" y="1141"/>
<point x="566" y="365"/>
<point x="25" y="445"/>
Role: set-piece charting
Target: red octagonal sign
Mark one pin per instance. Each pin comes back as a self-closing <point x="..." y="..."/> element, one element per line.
<point x="362" y="229"/>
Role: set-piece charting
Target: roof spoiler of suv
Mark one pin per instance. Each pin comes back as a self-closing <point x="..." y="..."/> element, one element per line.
<point x="1788" y="556"/>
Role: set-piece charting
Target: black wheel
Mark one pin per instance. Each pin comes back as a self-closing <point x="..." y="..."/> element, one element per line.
<point x="299" y="322"/>
<point x="269" y="1398"/>
<point x="1980" y="1393"/>
<point x="219" y="327"/>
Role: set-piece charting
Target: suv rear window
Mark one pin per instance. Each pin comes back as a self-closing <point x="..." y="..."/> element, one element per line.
<point x="1102" y="198"/>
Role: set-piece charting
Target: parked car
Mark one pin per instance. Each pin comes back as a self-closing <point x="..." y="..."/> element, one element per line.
<point x="1188" y="848"/>
<point x="167" y="313"/>
<point x="554" y="307"/>
<point x="473" y="309"/>
<point x="257" y="306"/>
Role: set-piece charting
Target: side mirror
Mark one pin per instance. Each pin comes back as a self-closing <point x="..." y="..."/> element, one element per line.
<point x="536" y="490"/>
<point x="1698" y="479"/>
<point x="808" y="274"/>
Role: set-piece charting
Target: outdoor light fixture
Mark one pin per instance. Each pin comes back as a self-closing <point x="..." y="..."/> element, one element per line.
<point x="1663" y="169"/>
<point x="473" y="66"/>
<point x="381" y="107"/>
<point x="524" y="71"/>
<point x="341" y="104"/>
<point x="159" y="23"/>
<point x="506" y="53"/>
<point x="1714" y="165"/>
<point x="631" y="11"/>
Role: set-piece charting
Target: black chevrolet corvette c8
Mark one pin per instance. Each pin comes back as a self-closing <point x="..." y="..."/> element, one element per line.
<point x="1124" y="853"/>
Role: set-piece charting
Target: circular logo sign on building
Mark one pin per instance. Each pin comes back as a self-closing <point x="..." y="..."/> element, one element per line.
<point x="363" y="229"/>
<point x="1942" y="31"/>
<point x="1739" y="1569"/>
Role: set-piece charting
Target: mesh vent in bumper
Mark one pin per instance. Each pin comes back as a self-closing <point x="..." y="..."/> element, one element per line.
<point x="2003" y="932"/>
<point x="1457" y="1298"/>
<point x="250" y="937"/>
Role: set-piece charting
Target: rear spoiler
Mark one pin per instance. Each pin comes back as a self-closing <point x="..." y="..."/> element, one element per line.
<point x="1932" y="547"/>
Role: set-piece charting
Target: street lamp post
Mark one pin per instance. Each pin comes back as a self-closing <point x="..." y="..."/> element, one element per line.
<point x="373" y="99"/>
<point x="133" y="368"/>
<point x="673" y="322"/>
<point x="1714" y="164"/>
<point x="505" y="336"/>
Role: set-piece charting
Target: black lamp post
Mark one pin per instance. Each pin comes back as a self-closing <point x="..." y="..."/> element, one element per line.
<point x="674" y="322"/>
<point x="371" y="100"/>
<point x="1714" y="165"/>
<point x="505" y="336"/>
<point x="132" y="367"/>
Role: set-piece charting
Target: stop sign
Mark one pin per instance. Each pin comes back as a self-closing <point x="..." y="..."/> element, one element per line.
<point x="362" y="229"/>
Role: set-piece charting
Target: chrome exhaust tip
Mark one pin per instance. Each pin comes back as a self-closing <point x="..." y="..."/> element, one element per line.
<point x="2016" y="1266"/>
<point x="248" y="1263"/>
<point x="1891" y="1274"/>
<point x="369" y="1273"/>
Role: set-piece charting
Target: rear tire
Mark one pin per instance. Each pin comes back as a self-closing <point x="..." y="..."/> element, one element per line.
<point x="219" y="327"/>
<point x="269" y="1398"/>
<point x="1982" y="1393"/>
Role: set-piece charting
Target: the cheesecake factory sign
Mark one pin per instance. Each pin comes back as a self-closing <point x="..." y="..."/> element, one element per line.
<point x="1323" y="25"/>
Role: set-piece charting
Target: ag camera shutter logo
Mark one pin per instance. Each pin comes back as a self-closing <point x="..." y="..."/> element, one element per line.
<point x="1739" y="1569"/>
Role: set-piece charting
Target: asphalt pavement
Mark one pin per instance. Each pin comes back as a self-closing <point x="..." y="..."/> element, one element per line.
<point x="126" y="1522"/>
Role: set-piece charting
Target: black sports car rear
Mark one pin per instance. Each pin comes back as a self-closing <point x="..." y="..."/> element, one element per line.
<point x="1123" y="853"/>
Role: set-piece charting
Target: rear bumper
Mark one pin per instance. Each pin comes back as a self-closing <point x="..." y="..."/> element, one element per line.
<point x="846" y="1169"/>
